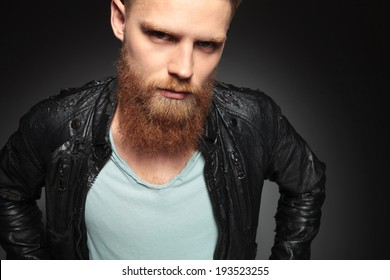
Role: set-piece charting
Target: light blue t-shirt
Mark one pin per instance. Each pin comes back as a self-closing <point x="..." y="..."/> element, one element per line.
<point x="127" y="218"/>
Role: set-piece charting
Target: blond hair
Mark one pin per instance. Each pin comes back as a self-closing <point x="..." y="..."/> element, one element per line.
<point x="235" y="4"/>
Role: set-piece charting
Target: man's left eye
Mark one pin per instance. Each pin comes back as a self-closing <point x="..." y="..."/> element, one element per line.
<point x="208" y="46"/>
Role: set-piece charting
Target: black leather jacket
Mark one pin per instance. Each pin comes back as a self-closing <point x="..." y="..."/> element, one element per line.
<point x="62" y="144"/>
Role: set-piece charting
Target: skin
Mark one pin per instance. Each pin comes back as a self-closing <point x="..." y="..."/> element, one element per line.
<point x="183" y="39"/>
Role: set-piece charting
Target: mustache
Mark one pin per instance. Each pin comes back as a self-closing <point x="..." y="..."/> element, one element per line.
<point x="175" y="85"/>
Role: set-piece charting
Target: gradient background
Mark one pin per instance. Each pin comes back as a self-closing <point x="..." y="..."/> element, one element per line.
<point x="324" y="62"/>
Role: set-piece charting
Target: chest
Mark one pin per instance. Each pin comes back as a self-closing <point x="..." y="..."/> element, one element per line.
<point x="128" y="218"/>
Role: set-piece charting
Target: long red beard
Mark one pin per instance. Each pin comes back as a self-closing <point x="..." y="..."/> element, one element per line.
<point x="151" y="123"/>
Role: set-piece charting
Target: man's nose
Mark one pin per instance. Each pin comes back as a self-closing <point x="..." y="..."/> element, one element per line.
<point x="182" y="62"/>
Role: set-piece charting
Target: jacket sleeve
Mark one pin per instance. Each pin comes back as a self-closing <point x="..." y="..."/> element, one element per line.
<point x="21" y="181"/>
<point x="301" y="180"/>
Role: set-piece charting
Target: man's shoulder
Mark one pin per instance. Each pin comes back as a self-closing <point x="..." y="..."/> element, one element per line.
<point x="68" y="102"/>
<point x="50" y="119"/>
<point x="72" y="98"/>
<point x="243" y="101"/>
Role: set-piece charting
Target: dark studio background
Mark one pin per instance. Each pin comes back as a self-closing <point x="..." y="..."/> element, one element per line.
<point x="324" y="62"/>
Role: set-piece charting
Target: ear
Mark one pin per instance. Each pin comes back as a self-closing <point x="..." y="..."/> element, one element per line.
<point x="118" y="18"/>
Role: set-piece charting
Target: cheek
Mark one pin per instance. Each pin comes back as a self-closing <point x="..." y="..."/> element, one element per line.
<point x="141" y="56"/>
<point x="206" y="67"/>
<point x="149" y="65"/>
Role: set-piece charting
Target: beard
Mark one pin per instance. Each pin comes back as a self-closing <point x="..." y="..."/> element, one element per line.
<point x="150" y="123"/>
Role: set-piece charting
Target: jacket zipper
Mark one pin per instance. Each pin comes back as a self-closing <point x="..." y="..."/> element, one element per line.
<point x="209" y="182"/>
<point x="237" y="163"/>
<point x="62" y="187"/>
<point x="82" y="208"/>
<point x="63" y="175"/>
<point x="243" y="200"/>
<point x="88" y="187"/>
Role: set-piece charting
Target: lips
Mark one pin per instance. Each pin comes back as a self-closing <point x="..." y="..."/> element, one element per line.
<point x="168" y="93"/>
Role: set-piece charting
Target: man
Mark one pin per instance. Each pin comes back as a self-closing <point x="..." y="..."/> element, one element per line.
<point x="161" y="162"/>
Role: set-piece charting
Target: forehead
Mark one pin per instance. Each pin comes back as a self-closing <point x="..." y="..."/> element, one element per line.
<point x="184" y="16"/>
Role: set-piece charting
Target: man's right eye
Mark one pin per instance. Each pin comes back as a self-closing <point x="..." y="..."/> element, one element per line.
<point x="159" y="36"/>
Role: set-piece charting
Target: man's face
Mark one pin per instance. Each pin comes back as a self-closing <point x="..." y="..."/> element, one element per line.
<point x="180" y="39"/>
<point x="166" y="70"/>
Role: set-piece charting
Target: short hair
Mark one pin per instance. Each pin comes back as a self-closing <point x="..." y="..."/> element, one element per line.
<point x="235" y="4"/>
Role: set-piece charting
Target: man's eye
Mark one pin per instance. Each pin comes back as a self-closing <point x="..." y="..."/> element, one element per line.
<point x="208" y="46"/>
<point x="159" y="35"/>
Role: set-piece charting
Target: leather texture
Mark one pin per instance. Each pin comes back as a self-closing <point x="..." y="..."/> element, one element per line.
<point x="62" y="143"/>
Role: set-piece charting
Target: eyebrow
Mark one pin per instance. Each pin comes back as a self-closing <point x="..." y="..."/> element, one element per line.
<point x="147" y="26"/>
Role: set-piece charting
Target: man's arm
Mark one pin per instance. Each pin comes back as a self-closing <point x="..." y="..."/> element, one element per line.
<point x="301" y="179"/>
<point x="21" y="180"/>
